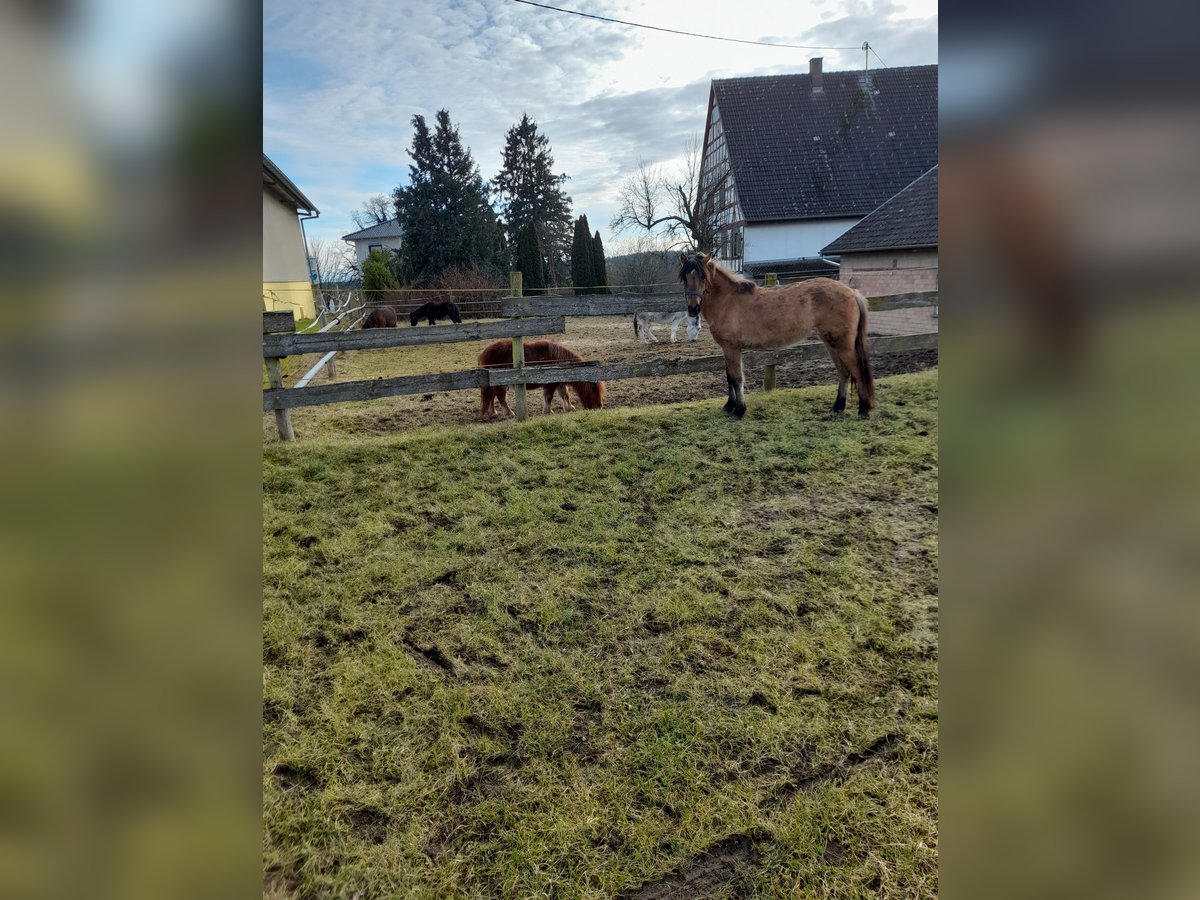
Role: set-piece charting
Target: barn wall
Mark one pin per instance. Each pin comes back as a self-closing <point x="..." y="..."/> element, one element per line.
<point x="879" y="274"/>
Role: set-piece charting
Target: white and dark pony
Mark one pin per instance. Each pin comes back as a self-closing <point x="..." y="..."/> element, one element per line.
<point x="643" y="320"/>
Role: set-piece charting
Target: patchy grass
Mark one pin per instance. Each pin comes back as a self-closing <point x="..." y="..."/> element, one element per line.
<point x="579" y="655"/>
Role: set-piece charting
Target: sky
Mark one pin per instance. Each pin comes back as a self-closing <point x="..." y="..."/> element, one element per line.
<point x="342" y="81"/>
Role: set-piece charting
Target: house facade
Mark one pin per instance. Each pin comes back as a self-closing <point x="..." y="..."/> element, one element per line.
<point x="385" y="236"/>
<point x="791" y="162"/>
<point x="894" y="249"/>
<point x="287" y="283"/>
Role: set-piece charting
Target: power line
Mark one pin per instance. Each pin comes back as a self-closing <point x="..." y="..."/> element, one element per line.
<point x="710" y="37"/>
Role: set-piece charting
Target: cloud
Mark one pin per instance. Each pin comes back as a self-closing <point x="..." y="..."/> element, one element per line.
<point x="342" y="82"/>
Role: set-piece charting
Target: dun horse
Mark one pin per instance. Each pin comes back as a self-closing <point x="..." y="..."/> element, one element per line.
<point x="743" y="316"/>
<point x="498" y="355"/>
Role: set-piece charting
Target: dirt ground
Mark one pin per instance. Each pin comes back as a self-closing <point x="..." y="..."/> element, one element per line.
<point x="607" y="338"/>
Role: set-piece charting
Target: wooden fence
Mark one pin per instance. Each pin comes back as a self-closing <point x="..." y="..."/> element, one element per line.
<point x="527" y="317"/>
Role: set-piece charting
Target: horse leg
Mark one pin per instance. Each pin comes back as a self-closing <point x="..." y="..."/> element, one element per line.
<point x="675" y="329"/>
<point x="568" y="406"/>
<point x="839" y="405"/>
<point x="736" y="405"/>
<point x="502" y="396"/>
<point x="548" y="391"/>
<point x="849" y="361"/>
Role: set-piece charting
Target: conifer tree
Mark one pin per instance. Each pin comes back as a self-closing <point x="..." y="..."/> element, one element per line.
<point x="582" y="276"/>
<point x="600" y="265"/>
<point x="444" y="211"/>
<point x="530" y="262"/>
<point x="532" y="196"/>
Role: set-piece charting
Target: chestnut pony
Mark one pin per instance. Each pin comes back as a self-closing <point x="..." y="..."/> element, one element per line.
<point x="498" y="355"/>
<point x="743" y="316"/>
<point x="380" y="317"/>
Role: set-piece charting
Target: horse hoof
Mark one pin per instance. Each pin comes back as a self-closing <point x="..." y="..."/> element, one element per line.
<point x="864" y="414"/>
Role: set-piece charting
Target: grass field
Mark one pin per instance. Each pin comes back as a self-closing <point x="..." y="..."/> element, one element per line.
<point x="646" y="651"/>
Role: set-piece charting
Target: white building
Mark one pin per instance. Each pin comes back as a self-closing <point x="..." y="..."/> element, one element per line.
<point x="385" y="236"/>
<point x="791" y="162"/>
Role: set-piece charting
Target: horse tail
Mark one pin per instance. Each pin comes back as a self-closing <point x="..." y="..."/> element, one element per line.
<point x="866" y="378"/>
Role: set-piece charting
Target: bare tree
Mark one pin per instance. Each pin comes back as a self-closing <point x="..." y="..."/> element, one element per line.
<point x="641" y="264"/>
<point x="375" y="211"/>
<point x="672" y="203"/>
<point x="334" y="259"/>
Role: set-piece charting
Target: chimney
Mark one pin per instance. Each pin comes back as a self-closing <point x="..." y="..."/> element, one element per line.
<point x="814" y="74"/>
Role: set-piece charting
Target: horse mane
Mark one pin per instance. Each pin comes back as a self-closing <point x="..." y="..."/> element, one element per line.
<point x="718" y="272"/>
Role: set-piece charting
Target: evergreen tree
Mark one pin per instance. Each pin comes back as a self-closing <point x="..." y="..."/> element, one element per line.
<point x="532" y="197"/>
<point x="582" y="275"/>
<point x="529" y="261"/>
<point x="600" y="265"/>
<point x="444" y="211"/>
<point x="377" y="276"/>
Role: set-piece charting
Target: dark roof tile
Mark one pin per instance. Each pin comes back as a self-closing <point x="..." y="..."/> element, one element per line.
<point x="390" y="228"/>
<point x="907" y="220"/>
<point x="839" y="152"/>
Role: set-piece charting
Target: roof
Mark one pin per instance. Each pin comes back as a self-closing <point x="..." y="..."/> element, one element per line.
<point x="842" y="151"/>
<point x="284" y="188"/>
<point x="390" y="228"/>
<point x="788" y="268"/>
<point x="905" y="221"/>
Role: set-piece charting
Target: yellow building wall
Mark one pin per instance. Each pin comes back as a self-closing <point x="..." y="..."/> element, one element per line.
<point x="294" y="295"/>
<point x="286" y="283"/>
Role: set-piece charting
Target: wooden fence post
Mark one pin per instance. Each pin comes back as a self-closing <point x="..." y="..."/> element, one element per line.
<point x="283" y="418"/>
<point x="520" y="396"/>
<point x="769" y="371"/>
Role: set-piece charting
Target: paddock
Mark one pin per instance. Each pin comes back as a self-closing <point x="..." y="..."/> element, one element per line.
<point x="642" y="651"/>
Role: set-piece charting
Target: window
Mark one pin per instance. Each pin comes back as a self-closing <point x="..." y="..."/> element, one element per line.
<point x="371" y="248"/>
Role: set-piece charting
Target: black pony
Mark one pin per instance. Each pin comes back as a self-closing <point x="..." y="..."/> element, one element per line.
<point x="436" y="310"/>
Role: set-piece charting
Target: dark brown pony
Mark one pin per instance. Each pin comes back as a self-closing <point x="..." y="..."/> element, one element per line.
<point x="743" y="316"/>
<point x="380" y="317"/>
<point x="434" y="310"/>
<point x="498" y="355"/>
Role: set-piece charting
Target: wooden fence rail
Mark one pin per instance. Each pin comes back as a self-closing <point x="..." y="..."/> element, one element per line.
<point x="624" y="305"/>
<point x="387" y="338"/>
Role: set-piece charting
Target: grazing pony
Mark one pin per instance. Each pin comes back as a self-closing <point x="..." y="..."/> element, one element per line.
<point x="380" y="317"/>
<point x="498" y="355"/>
<point x="434" y="310"/>
<point x="743" y="316"/>
<point x="643" y="320"/>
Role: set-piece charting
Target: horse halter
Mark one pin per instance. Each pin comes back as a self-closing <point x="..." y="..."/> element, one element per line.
<point x="692" y="308"/>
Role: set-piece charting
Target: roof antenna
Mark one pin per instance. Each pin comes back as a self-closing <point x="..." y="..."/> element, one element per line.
<point x="866" y="47"/>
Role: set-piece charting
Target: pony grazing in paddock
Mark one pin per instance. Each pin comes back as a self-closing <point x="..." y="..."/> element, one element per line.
<point x="434" y="310"/>
<point x="498" y="355"/>
<point x="643" y="320"/>
<point x="380" y="317"/>
<point x="743" y="316"/>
